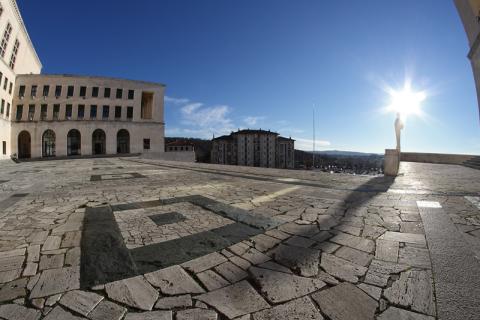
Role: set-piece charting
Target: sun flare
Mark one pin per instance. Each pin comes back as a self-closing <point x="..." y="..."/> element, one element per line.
<point x="406" y="101"/>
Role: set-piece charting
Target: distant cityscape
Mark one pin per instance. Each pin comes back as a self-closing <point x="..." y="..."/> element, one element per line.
<point x="332" y="161"/>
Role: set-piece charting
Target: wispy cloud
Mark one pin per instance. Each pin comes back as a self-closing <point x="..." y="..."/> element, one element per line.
<point x="200" y="120"/>
<point x="252" y="121"/>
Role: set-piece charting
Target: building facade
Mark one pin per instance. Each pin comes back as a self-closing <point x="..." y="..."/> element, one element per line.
<point x="179" y="145"/>
<point x="45" y="116"/>
<point x="254" y="148"/>
<point x="469" y="11"/>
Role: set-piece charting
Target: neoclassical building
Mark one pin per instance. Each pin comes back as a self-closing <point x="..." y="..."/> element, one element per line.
<point x="65" y="115"/>
<point x="254" y="148"/>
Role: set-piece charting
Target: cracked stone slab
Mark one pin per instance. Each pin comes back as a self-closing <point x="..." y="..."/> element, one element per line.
<point x="387" y="250"/>
<point x="235" y="300"/>
<point x="205" y="262"/>
<point x="58" y="313"/>
<point x="304" y="261"/>
<point x="196" y="314"/>
<point x="279" y="287"/>
<point x="173" y="280"/>
<point x="212" y="280"/>
<point x="168" y="303"/>
<point x="13" y="290"/>
<point x="346" y="302"/>
<point x="355" y="256"/>
<point x="301" y="308"/>
<point x="342" y="268"/>
<point x="414" y="238"/>
<point x="54" y="281"/>
<point x="151" y="315"/>
<point x="393" y="313"/>
<point x="354" y="242"/>
<point x="18" y="312"/>
<point x="413" y="289"/>
<point x="134" y="292"/>
<point x="82" y="302"/>
<point x="379" y="272"/>
<point x="231" y="272"/>
<point x="107" y="310"/>
<point x="299" y="230"/>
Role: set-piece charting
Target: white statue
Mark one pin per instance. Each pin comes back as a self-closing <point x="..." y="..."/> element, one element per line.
<point x="398" y="129"/>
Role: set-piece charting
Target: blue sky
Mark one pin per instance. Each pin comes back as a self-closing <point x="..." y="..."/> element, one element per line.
<point x="264" y="64"/>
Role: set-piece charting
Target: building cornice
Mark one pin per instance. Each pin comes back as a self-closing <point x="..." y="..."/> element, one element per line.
<point x="46" y="76"/>
<point x="24" y="29"/>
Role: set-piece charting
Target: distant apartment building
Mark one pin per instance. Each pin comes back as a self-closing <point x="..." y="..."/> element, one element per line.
<point x="179" y="145"/>
<point x="254" y="148"/>
<point x="469" y="11"/>
<point x="44" y="116"/>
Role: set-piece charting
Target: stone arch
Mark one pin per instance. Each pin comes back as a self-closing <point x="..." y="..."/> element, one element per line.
<point x="48" y="143"/>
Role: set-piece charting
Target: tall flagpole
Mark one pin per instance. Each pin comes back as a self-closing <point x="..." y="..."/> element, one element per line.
<point x="313" y="153"/>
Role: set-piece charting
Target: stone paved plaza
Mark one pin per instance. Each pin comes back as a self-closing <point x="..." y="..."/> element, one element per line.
<point x="130" y="238"/>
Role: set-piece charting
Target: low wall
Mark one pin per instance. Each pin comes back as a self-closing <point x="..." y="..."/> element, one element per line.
<point x="435" y="157"/>
<point x="183" y="156"/>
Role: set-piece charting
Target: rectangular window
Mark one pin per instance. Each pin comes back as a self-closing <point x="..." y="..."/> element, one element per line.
<point x="10" y="88"/>
<point x="81" y="111"/>
<point x="5" y="83"/>
<point x="93" y="112"/>
<point x="146" y="105"/>
<point x="33" y="91"/>
<point x="106" y="111"/>
<point x="13" y="57"/>
<point x="83" y="91"/>
<point x="106" y="93"/>
<point x="21" y="92"/>
<point x="6" y="37"/>
<point x="129" y="113"/>
<point x="58" y="91"/>
<point x="46" y="89"/>
<point x="68" y="111"/>
<point x="146" y="144"/>
<point x="31" y="112"/>
<point x="56" y="111"/>
<point x="1" y="76"/>
<point x="131" y="94"/>
<point x="70" y="91"/>
<point x="118" y="112"/>
<point x="4" y="147"/>
<point x="8" y="110"/>
<point x="95" y="92"/>
<point x="43" y="112"/>
<point x="19" y="112"/>
<point x="119" y="93"/>
<point x="2" y="106"/>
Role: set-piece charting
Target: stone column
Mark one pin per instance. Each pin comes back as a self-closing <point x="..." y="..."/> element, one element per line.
<point x="391" y="162"/>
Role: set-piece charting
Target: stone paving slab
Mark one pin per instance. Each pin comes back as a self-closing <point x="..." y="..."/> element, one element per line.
<point x="289" y="237"/>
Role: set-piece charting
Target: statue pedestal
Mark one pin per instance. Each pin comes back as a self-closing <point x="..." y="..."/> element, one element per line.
<point x="391" y="162"/>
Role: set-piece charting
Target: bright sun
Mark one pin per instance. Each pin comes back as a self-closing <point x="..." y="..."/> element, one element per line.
<point x="406" y="101"/>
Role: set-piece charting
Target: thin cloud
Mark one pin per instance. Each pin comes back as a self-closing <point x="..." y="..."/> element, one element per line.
<point x="252" y="121"/>
<point x="176" y="101"/>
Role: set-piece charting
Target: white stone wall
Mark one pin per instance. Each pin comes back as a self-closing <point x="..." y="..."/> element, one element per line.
<point x="469" y="11"/>
<point x="27" y="62"/>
